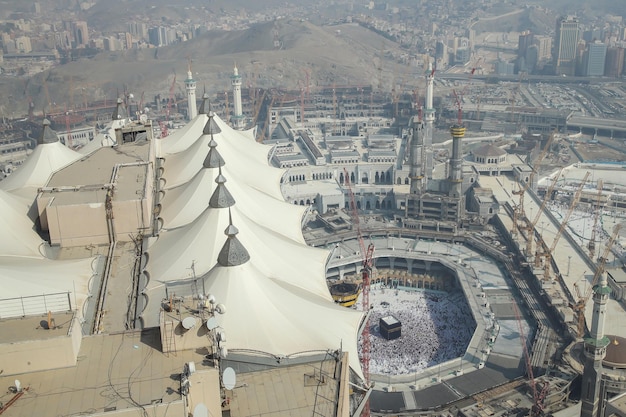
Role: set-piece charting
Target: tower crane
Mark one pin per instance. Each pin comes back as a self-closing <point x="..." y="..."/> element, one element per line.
<point x="538" y="394"/>
<point x="598" y="209"/>
<point x="226" y="107"/>
<point x="530" y="231"/>
<point x="518" y="212"/>
<point x="170" y="100"/>
<point x="266" y="126"/>
<point x="367" y="255"/>
<point x="257" y="107"/>
<point x="458" y="96"/>
<point x="579" y="307"/>
<point x="549" y="253"/>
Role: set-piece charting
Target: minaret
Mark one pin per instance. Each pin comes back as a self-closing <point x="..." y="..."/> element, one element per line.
<point x="238" y="114"/>
<point x="190" y="86"/>
<point x="429" y="119"/>
<point x="595" y="351"/>
<point x="416" y="156"/>
<point x="456" y="161"/>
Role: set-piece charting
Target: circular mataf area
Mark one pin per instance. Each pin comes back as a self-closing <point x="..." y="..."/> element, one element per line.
<point x="436" y="327"/>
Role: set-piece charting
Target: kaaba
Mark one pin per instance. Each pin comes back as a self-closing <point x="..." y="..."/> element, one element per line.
<point x="390" y="327"/>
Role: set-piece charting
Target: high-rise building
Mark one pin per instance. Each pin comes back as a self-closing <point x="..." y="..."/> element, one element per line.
<point x="22" y="44"/>
<point x="565" y="45"/>
<point x="160" y="36"/>
<point x="525" y="41"/>
<point x="544" y="47"/>
<point x="614" y="63"/>
<point x="138" y="30"/>
<point x="81" y="33"/>
<point x="595" y="56"/>
<point x="531" y="58"/>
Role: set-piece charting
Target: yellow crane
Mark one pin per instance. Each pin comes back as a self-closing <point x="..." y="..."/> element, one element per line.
<point x="579" y="307"/>
<point x="530" y="231"/>
<point x="549" y="253"/>
<point x="518" y="212"/>
<point x="598" y="209"/>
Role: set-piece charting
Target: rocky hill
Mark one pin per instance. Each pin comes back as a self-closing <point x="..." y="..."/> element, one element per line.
<point x="344" y="54"/>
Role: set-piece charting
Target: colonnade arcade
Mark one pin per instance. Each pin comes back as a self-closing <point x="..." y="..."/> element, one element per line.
<point x="400" y="272"/>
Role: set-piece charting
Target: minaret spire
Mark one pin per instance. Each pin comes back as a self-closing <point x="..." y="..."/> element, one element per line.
<point x="429" y="119"/>
<point x="190" y="87"/>
<point x="237" y="119"/>
<point x="595" y="351"/>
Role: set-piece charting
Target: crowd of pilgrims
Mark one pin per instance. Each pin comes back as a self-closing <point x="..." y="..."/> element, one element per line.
<point x="436" y="327"/>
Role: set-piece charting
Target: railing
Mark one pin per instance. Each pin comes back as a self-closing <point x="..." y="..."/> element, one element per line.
<point x="35" y="304"/>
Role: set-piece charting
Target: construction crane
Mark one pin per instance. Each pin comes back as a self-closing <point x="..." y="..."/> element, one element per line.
<point x="549" y="253"/>
<point x="266" y="126"/>
<point x="257" y="107"/>
<point x="530" y="231"/>
<point x="170" y="100"/>
<point x="458" y="96"/>
<point x="579" y="307"/>
<point x="367" y="255"/>
<point x="518" y="212"/>
<point x="598" y="209"/>
<point x="538" y="394"/>
<point x="226" y="107"/>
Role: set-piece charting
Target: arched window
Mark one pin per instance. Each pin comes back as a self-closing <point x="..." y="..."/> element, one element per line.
<point x="377" y="206"/>
<point x="301" y="202"/>
<point x="406" y="181"/>
<point x="376" y="178"/>
<point x="341" y="177"/>
<point x="399" y="181"/>
<point x="368" y="206"/>
<point x="358" y="205"/>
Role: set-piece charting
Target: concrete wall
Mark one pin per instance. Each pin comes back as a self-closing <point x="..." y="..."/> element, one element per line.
<point x="176" y="338"/>
<point x="42" y="354"/>
<point x="77" y="225"/>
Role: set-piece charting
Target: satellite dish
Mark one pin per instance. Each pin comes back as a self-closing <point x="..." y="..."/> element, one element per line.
<point x="211" y="323"/>
<point x="18" y="384"/>
<point x="220" y="308"/>
<point x="200" y="410"/>
<point x="221" y="336"/>
<point x="229" y="378"/>
<point x="189" y="323"/>
<point x="210" y="298"/>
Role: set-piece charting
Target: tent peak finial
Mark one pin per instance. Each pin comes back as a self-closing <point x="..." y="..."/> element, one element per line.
<point x="233" y="252"/>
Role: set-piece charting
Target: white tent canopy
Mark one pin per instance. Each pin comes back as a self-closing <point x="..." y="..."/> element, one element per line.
<point x="36" y="170"/>
<point x="183" y="204"/>
<point x="17" y="230"/>
<point x="34" y="278"/>
<point x="243" y="167"/>
<point x="181" y="139"/>
<point x="170" y="258"/>
<point x="265" y="315"/>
